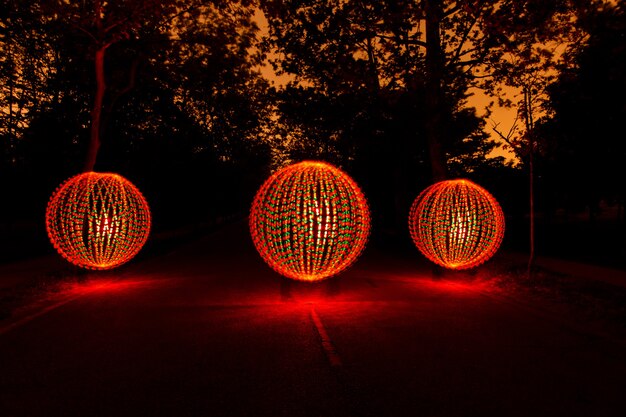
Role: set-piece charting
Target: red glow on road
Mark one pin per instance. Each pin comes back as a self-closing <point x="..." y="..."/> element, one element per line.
<point x="456" y="286"/>
<point x="109" y="286"/>
<point x="458" y="283"/>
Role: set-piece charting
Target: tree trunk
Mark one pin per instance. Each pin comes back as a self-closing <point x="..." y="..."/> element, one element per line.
<point x="373" y="65"/>
<point x="435" y="99"/>
<point x="531" y="256"/>
<point x="96" y="112"/>
<point x="530" y="125"/>
<point x="10" y="140"/>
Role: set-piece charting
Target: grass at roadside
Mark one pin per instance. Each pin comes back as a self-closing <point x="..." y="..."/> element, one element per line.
<point x="576" y="298"/>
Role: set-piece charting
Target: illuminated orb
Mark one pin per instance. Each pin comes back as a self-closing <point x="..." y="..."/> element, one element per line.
<point x="456" y="224"/>
<point x="309" y="221"/>
<point x="98" y="220"/>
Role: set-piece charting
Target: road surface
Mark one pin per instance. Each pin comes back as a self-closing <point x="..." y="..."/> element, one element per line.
<point x="210" y="330"/>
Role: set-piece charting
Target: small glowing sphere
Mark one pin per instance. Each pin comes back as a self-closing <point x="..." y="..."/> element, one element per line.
<point x="98" y="220"/>
<point x="309" y="221"/>
<point x="456" y="224"/>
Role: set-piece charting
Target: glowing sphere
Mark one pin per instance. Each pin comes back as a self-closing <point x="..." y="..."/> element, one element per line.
<point x="456" y="224"/>
<point x="98" y="220"/>
<point x="309" y="221"/>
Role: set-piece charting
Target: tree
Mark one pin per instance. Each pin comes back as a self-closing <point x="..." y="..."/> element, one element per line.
<point x="182" y="109"/>
<point x="434" y="47"/>
<point x="585" y="127"/>
<point x="531" y="61"/>
<point x="106" y="23"/>
<point x="531" y="75"/>
<point x="24" y="64"/>
<point x="118" y="39"/>
<point x="395" y="77"/>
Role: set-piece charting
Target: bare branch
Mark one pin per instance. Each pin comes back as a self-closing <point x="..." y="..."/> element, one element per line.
<point x="453" y="9"/>
<point x="416" y="42"/>
<point x="508" y="137"/>
<point x="467" y="63"/>
<point x="465" y="52"/>
<point x="412" y="40"/>
<point x="478" y="77"/>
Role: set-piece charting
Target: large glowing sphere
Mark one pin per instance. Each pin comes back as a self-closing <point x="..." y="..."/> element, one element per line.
<point x="309" y="221"/>
<point x="98" y="220"/>
<point x="456" y="224"/>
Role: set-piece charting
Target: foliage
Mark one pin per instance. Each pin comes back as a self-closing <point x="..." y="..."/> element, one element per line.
<point x="183" y="106"/>
<point x="379" y="88"/>
<point x="385" y="84"/>
<point x="345" y="47"/>
<point x="28" y="54"/>
<point x="585" y="131"/>
<point x="529" y="62"/>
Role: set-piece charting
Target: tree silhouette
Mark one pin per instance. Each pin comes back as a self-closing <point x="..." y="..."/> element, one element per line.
<point x="183" y="106"/>
<point x="529" y="67"/>
<point x="585" y="130"/>
<point x="27" y="52"/>
<point x="394" y="79"/>
<point x="106" y="23"/>
<point x="434" y="48"/>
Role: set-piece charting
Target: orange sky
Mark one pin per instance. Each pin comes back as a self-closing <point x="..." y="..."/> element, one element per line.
<point x="502" y="116"/>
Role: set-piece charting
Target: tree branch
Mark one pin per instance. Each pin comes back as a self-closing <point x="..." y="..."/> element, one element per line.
<point x="457" y="53"/>
<point x="453" y="9"/>
<point x="412" y="41"/>
<point x="509" y="135"/>
<point x="466" y="63"/>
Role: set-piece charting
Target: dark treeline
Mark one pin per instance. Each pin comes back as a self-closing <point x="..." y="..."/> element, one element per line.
<point x="170" y="94"/>
<point x="182" y="109"/>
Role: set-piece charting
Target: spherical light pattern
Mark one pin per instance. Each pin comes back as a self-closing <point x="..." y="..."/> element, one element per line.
<point x="309" y="221"/>
<point x="98" y="220"/>
<point x="456" y="224"/>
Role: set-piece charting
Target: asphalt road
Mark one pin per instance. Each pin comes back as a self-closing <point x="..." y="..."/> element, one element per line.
<point x="210" y="330"/>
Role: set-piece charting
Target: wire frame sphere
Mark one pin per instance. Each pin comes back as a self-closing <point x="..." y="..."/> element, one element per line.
<point x="309" y="221"/>
<point x="98" y="220"/>
<point x="456" y="224"/>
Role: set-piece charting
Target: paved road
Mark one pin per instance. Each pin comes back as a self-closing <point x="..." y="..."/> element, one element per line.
<point x="209" y="330"/>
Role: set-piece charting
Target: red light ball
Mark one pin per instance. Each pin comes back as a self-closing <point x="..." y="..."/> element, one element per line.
<point x="309" y="221"/>
<point x="456" y="224"/>
<point x="98" y="220"/>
